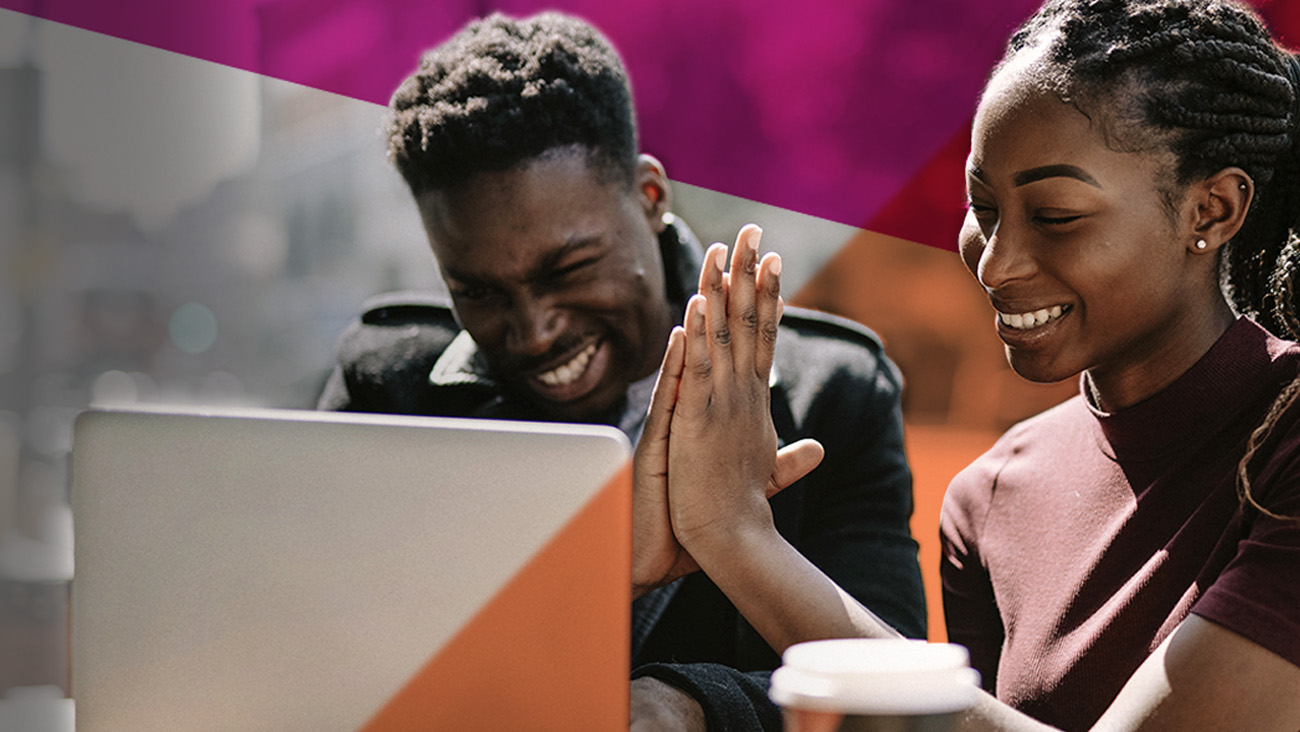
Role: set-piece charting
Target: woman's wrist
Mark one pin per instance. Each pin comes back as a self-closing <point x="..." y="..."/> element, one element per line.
<point x="732" y="539"/>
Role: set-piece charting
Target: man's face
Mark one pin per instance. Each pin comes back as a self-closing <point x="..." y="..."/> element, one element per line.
<point x="555" y="271"/>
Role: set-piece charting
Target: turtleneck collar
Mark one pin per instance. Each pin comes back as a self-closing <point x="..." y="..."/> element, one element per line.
<point x="1215" y="390"/>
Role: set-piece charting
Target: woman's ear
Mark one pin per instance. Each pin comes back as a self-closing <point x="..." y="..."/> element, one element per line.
<point x="1221" y="203"/>
<point x="653" y="190"/>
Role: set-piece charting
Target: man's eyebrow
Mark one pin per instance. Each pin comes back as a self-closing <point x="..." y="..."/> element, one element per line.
<point x="551" y="260"/>
<point x="547" y="263"/>
<point x="1030" y="175"/>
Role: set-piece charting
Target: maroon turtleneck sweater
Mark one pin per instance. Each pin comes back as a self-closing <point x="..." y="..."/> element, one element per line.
<point x="1082" y="538"/>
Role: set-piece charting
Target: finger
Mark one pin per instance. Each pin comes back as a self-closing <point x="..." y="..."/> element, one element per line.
<point x="712" y="272"/>
<point x="714" y="286"/>
<point x="794" y="462"/>
<point x="770" y="308"/>
<point x="697" y="366"/>
<point x="742" y="315"/>
<point x="664" y="397"/>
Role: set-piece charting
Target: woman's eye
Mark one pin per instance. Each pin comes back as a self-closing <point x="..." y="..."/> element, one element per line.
<point x="985" y="215"/>
<point x="1057" y="220"/>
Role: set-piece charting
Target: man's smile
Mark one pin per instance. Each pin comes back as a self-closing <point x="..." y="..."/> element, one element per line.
<point x="576" y="377"/>
<point x="567" y="373"/>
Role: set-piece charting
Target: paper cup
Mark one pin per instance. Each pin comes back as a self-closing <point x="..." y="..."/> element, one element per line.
<point x="867" y="685"/>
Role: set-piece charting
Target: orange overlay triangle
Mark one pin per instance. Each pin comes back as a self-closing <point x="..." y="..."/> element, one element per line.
<point x="551" y="650"/>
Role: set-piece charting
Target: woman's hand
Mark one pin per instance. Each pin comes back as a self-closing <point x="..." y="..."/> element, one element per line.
<point x="657" y="556"/>
<point x="722" y="448"/>
<point x="707" y="463"/>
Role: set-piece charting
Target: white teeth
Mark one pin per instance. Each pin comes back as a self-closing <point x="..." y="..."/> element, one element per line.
<point x="569" y="372"/>
<point x="1025" y="321"/>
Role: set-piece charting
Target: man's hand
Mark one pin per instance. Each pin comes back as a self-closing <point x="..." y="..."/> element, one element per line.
<point x="661" y="707"/>
<point x="657" y="558"/>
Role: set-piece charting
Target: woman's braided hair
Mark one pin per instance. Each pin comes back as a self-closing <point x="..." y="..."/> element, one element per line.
<point x="1203" y="80"/>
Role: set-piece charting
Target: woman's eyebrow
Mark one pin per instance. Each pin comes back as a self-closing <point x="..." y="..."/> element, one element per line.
<point x="1053" y="171"/>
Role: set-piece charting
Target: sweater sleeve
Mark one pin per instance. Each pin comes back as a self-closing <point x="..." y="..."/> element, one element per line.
<point x="1257" y="595"/>
<point x="733" y="701"/>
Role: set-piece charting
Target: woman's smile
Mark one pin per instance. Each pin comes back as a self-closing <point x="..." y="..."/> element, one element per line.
<point x="1032" y="320"/>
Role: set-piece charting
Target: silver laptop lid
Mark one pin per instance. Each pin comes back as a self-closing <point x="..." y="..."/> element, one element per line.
<point x="279" y="570"/>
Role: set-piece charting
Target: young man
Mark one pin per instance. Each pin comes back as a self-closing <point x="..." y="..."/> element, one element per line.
<point x="567" y="272"/>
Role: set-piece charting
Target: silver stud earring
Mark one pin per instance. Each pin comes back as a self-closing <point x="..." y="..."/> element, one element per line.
<point x="1200" y="244"/>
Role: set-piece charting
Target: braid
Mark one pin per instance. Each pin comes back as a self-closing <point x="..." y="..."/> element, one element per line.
<point x="1280" y="405"/>
<point x="1203" y="80"/>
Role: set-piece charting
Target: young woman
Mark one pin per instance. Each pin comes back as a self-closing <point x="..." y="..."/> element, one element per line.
<point x="1129" y="560"/>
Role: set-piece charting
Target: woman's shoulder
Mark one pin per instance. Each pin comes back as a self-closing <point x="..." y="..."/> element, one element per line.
<point x="1034" y="439"/>
<point x="1042" y="431"/>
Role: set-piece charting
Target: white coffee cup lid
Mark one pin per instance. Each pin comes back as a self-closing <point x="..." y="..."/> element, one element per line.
<point x="869" y="676"/>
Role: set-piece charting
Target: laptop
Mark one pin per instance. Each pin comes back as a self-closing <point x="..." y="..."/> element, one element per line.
<point x="292" y="570"/>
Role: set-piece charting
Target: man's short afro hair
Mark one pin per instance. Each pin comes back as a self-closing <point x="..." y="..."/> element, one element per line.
<point x="502" y="91"/>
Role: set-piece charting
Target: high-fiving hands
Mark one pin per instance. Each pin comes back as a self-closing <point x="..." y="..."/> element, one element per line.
<point x="707" y="460"/>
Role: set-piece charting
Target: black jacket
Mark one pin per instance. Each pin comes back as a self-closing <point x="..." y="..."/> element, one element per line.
<point x="849" y="516"/>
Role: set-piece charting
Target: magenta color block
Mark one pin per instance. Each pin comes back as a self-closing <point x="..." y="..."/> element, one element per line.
<point x="828" y="107"/>
<point x="223" y="31"/>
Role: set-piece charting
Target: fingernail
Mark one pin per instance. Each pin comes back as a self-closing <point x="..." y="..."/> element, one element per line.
<point x="752" y="240"/>
<point x="720" y="257"/>
<point x="776" y="265"/>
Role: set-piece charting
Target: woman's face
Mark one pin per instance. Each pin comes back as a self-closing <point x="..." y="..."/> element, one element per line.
<point x="1087" y="267"/>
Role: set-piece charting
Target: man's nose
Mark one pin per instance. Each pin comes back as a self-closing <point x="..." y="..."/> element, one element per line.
<point x="535" y="324"/>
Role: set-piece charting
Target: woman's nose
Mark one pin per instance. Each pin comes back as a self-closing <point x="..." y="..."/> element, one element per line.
<point x="1004" y="259"/>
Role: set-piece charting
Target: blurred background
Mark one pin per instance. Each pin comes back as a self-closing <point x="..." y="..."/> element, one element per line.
<point x="174" y="230"/>
<point x="171" y="230"/>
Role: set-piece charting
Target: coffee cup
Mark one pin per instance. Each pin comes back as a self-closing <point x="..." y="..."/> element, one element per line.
<point x="870" y="685"/>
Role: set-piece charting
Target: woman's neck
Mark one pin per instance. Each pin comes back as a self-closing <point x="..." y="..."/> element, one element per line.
<point x="1152" y="367"/>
